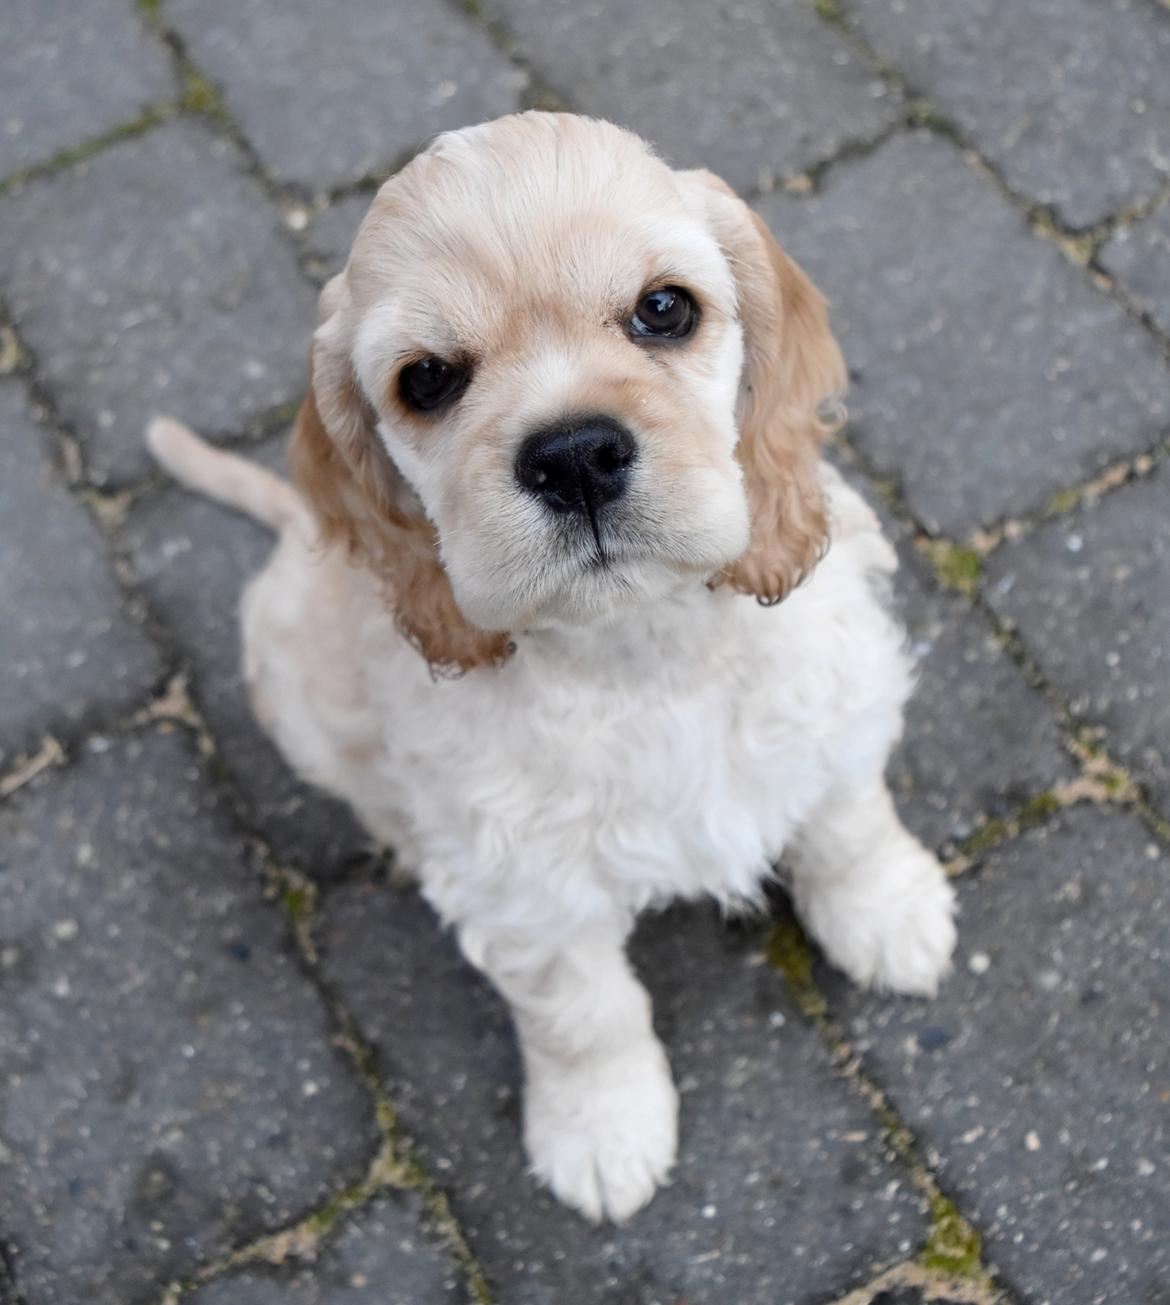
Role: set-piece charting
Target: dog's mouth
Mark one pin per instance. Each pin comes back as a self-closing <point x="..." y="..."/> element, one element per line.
<point x="600" y="548"/>
<point x="581" y="576"/>
<point x="596" y="564"/>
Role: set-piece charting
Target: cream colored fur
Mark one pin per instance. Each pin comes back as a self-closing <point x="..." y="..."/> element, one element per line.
<point x="639" y="736"/>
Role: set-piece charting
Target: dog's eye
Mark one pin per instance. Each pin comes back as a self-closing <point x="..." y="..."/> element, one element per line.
<point x="667" y="312"/>
<point x="431" y="383"/>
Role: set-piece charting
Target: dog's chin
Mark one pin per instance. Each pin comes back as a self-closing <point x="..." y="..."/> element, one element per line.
<point x="590" y="589"/>
<point x="604" y="589"/>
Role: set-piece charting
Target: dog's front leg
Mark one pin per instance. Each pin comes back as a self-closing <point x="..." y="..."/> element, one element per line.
<point x="873" y="897"/>
<point x="600" y="1110"/>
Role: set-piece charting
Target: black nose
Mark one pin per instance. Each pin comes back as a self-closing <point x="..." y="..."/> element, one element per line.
<point x="578" y="466"/>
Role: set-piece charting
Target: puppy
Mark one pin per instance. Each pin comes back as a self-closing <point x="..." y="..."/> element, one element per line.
<point x="537" y="610"/>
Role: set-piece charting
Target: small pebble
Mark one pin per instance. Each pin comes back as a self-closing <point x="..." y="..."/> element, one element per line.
<point x="979" y="962"/>
<point x="1032" y="1141"/>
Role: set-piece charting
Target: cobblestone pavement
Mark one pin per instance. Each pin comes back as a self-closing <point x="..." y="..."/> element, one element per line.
<point x="239" y="1063"/>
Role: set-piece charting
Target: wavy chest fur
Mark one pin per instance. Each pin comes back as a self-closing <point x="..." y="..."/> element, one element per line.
<point x="672" y="753"/>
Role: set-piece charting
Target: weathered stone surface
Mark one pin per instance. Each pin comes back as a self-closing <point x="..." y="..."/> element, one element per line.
<point x="782" y="1192"/>
<point x="379" y="1255"/>
<point x="752" y="91"/>
<point x="194" y="558"/>
<point x="70" y="72"/>
<point x="332" y="231"/>
<point x="1069" y="98"/>
<point x="1090" y="596"/>
<point x="979" y="741"/>
<point x="1138" y="258"/>
<point x="70" y="652"/>
<point x="169" y="1083"/>
<point x="988" y="373"/>
<point x="325" y="101"/>
<point x="1037" y="1080"/>
<point x="150" y="279"/>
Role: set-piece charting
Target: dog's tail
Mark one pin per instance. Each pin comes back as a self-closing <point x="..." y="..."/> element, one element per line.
<point x="233" y="480"/>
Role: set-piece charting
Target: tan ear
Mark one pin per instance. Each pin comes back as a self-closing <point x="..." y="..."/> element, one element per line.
<point x="793" y="370"/>
<point x="361" y="500"/>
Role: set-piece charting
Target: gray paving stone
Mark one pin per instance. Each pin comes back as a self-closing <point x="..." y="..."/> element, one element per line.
<point x="326" y="102"/>
<point x="1069" y="98"/>
<point x="781" y="1195"/>
<point x="1138" y="258"/>
<point x="331" y="232"/>
<point x="1037" y="1080"/>
<point x="194" y="557"/>
<point x="170" y="1086"/>
<point x="979" y="741"/>
<point x="70" y="72"/>
<point x="751" y="90"/>
<point x="1090" y="596"/>
<point x="987" y="372"/>
<point x="152" y="278"/>
<point x="380" y="1255"/>
<point x="70" y="652"/>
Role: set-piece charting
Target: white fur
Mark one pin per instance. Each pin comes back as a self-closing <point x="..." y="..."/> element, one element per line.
<point x="675" y="749"/>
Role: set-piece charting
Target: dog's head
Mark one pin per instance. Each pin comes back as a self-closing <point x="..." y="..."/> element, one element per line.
<point x="556" y="377"/>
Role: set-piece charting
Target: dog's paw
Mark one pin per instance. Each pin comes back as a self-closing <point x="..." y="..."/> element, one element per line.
<point x="893" y="930"/>
<point x="602" y="1134"/>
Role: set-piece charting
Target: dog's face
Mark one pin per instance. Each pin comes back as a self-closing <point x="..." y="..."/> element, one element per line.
<point x="532" y="392"/>
<point x="547" y="328"/>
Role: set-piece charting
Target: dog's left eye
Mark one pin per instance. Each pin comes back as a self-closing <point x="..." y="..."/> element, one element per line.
<point x="668" y="312"/>
<point x="431" y="383"/>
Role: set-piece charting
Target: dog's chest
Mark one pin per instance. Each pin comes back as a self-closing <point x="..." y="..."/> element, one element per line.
<point x="655" y="785"/>
<point x="694" y="793"/>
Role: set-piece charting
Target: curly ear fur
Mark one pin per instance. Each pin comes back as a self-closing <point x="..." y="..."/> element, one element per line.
<point x="361" y="500"/>
<point x="792" y="367"/>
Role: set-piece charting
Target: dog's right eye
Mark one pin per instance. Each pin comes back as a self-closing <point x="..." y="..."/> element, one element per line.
<point x="668" y="313"/>
<point x="431" y="383"/>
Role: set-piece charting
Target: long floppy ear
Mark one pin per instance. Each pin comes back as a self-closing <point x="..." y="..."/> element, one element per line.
<point x="793" y="372"/>
<point x="361" y="500"/>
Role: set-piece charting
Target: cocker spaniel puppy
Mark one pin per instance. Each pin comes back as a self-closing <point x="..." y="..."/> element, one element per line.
<point x="570" y="610"/>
